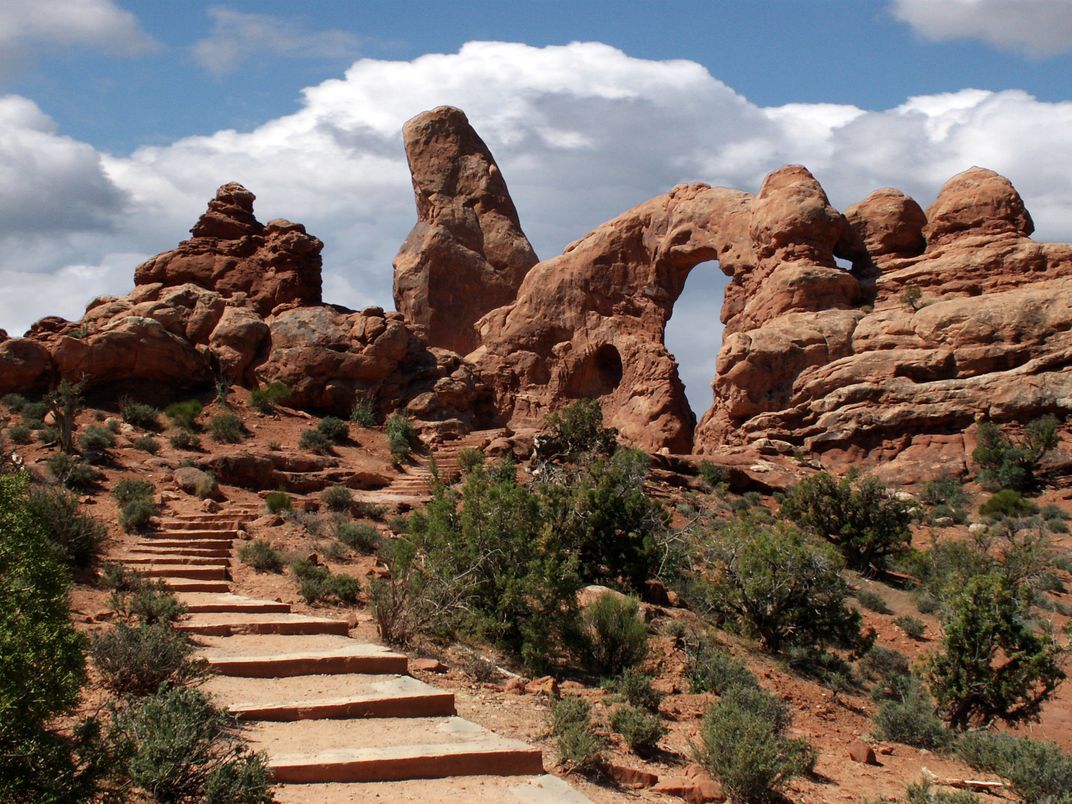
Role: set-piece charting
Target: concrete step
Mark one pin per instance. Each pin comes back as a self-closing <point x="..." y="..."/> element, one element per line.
<point x="187" y="585"/>
<point x="388" y="749"/>
<point x="351" y="695"/>
<point x="277" y="656"/>
<point x="201" y="603"/>
<point x="224" y="623"/>
<point x="170" y="570"/>
<point x="545" y="789"/>
<point x="174" y="558"/>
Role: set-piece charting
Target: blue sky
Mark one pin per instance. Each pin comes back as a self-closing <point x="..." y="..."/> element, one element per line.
<point x="119" y="119"/>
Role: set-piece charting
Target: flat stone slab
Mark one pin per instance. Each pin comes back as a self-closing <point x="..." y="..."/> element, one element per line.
<point x="224" y="623"/>
<point x="255" y="659"/>
<point x="175" y="558"/>
<point x="202" y="603"/>
<point x="545" y="789"/>
<point x="351" y="695"/>
<point x="189" y="585"/>
<point x="164" y="569"/>
<point x="183" y="549"/>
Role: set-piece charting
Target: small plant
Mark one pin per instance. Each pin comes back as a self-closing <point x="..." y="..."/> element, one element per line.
<point x="130" y="488"/>
<point x="1006" y="503"/>
<point x="912" y="626"/>
<point x="712" y="669"/>
<point x="147" y="443"/>
<point x="613" y="637"/>
<point x="135" y="498"/>
<point x="635" y="688"/>
<point x="640" y="729"/>
<point x="714" y="476"/>
<point x="362" y="537"/>
<point x="872" y="601"/>
<point x="909" y="718"/>
<point x="95" y="442"/>
<point x="945" y="496"/>
<point x="13" y="402"/>
<point x="401" y="437"/>
<point x="139" y="660"/>
<point x="150" y="602"/>
<point x="77" y="536"/>
<point x="316" y="584"/>
<point x="363" y="414"/>
<point x="469" y="458"/>
<point x="226" y="428"/>
<point x="337" y="498"/>
<point x="277" y="502"/>
<point x="743" y="745"/>
<point x="1038" y="770"/>
<point x="577" y="430"/>
<point x="926" y="602"/>
<point x="185" y="439"/>
<point x="260" y="555"/>
<point x="1008" y="463"/>
<point x="333" y="428"/>
<point x="64" y="403"/>
<point x="389" y="603"/>
<point x="184" y="414"/>
<point x="72" y="472"/>
<point x="139" y="414"/>
<point x="923" y="792"/>
<point x="265" y="399"/>
<point x="315" y="441"/>
<point x="33" y="413"/>
<point x="910" y="297"/>
<point x="579" y="747"/>
<point x="19" y="434"/>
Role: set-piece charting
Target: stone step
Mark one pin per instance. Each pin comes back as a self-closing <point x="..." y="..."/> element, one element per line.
<point x="142" y="549"/>
<point x="170" y="570"/>
<point x="211" y="542"/>
<point x="388" y="749"/>
<point x="225" y="623"/>
<point x="200" y="532"/>
<point x="308" y="697"/>
<point x="545" y="789"/>
<point x="199" y="603"/>
<point x="276" y="656"/>
<point x="187" y="585"/>
<point x="175" y="558"/>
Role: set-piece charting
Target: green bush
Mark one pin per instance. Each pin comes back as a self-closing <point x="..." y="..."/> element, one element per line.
<point x="872" y="601"/>
<point x="776" y="586"/>
<point x="1006" y="503"/>
<point x="140" y="660"/>
<point x="13" y="402"/>
<point x="184" y="414"/>
<point x="148" y="601"/>
<point x="363" y="414"/>
<point x="136" y="515"/>
<point x="333" y="428"/>
<point x="33" y="413"/>
<point x="19" y="434"/>
<point x="469" y="458"/>
<point x="401" y="437"/>
<point x="575" y="431"/>
<point x="41" y="656"/>
<point x="185" y="439"/>
<point x="991" y="664"/>
<point x="640" y="729"/>
<point x="139" y="414"/>
<point x="177" y="747"/>
<point x="579" y="747"/>
<point x="77" y="536"/>
<point x="226" y="428"/>
<point x="362" y="537"/>
<point x="909" y="718"/>
<point x="861" y="517"/>
<point x="46" y="435"/>
<point x="712" y="669"/>
<point x="1007" y="463"/>
<point x="912" y="626"/>
<point x="613" y="637"/>
<point x="743" y="745"/>
<point x="95" y="441"/>
<point x="884" y="666"/>
<point x="315" y="441"/>
<point x="1037" y="769"/>
<point x="636" y="689"/>
<point x="277" y="501"/>
<point x="120" y="578"/>
<point x="72" y="472"/>
<point x="946" y="568"/>
<point x="260" y="555"/>
<point x="147" y="443"/>
<point x="265" y="399"/>
<point x="714" y="476"/>
<point x="317" y="584"/>
<point x="922" y="792"/>
<point x="945" y="497"/>
<point x="337" y="498"/>
<point x="130" y="488"/>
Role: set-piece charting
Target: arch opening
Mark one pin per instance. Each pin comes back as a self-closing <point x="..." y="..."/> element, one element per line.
<point x="599" y="373"/>
<point x="693" y="334"/>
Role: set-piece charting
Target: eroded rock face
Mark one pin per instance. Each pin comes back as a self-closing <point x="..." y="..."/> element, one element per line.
<point x="232" y="253"/>
<point x="466" y="254"/>
<point x="25" y="366"/>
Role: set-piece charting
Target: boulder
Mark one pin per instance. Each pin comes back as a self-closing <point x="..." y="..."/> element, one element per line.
<point x="25" y="366"/>
<point x="195" y="481"/>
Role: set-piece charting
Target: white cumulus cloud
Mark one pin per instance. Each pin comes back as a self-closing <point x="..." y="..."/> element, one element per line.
<point x="1034" y="27"/>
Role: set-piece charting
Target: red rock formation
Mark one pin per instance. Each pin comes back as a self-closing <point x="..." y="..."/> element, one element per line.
<point x="25" y="366"/>
<point x="466" y="254"/>
<point x="232" y="253"/>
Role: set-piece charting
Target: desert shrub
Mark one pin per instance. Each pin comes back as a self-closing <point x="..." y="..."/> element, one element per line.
<point x="911" y="296"/>
<point x="149" y="601"/>
<point x="923" y="792"/>
<point x="147" y="443"/>
<point x="185" y="439"/>
<point x="41" y="656"/>
<point x="315" y="441"/>
<point x="776" y="586"/>
<point x="392" y="610"/>
<point x="277" y="501"/>
<point x="19" y="434"/>
<point x="226" y="428"/>
<point x="13" y="402"/>
<point x="333" y="428"/>
<point x="120" y="578"/>
<point x="991" y="664"/>
<point x="138" y="660"/>
<point x="574" y="431"/>
<point x="401" y="437"/>
<point x="95" y="441"/>
<point x="184" y="414"/>
<point x="945" y="497"/>
<point x="260" y="555"/>
<point x="46" y="435"/>
<point x="77" y="536"/>
<point x="363" y="414"/>
<point x="136" y="514"/>
<point x="1008" y="463"/>
<point x="909" y="718"/>
<point x="635" y="688"/>
<point x="317" y="584"/>
<point x="713" y="669"/>
<point x="139" y="414"/>
<point x="946" y="568"/>
<point x="579" y="746"/>
<point x="640" y="729"/>
<point x="1006" y="503"/>
<point x="861" y="517"/>
<point x="130" y="488"/>
<point x="912" y="626"/>
<point x="469" y="458"/>
<point x="359" y="536"/>
<point x="311" y="521"/>
<point x="872" y="601"/>
<point x="1037" y="769"/>
<point x="613" y="637"/>
<point x="33" y="413"/>
<point x="177" y="747"/>
<point x="884" y="665"/>
<point x="337" y="498"/>
<point x="712" y="475"/>
<point x="743" y="745"/>
<point x="345" y="588"/>
<point x="72" y="472"/>
<point x="926" y="602"/>
<point x="265" y="399"/>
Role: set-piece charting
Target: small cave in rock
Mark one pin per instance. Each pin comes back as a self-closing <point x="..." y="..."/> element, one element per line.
<point x="598" y="373"/>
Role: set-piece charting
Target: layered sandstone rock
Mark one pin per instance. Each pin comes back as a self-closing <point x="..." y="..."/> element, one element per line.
<point x="466" y="254"/>
<point x="232" y="253"/>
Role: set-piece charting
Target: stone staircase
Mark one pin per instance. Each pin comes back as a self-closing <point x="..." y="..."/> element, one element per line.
<point x="340" y="719"/>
